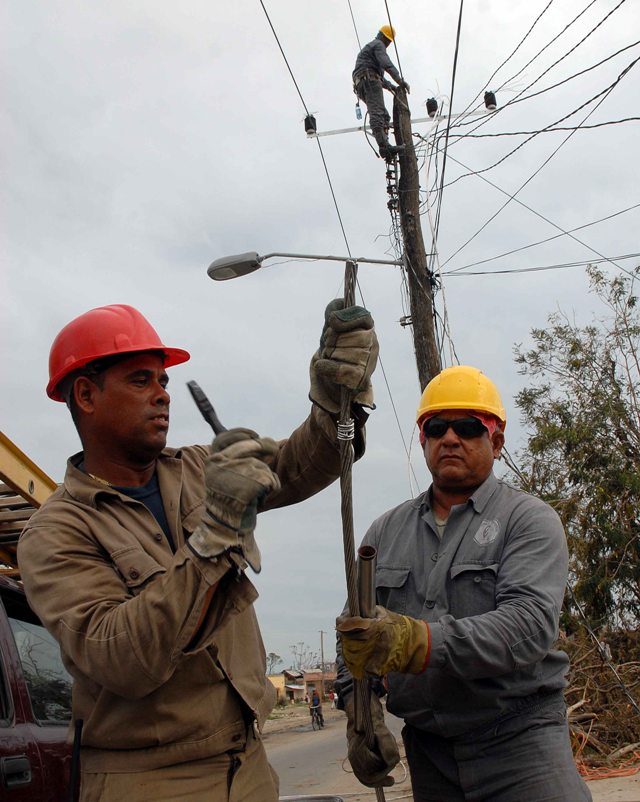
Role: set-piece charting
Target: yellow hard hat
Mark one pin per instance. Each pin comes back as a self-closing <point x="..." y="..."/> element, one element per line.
<point x="461" y="387"/>
<point x="388" y="31"/>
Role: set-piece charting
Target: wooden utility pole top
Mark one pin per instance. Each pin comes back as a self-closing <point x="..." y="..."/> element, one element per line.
<point x="418" y="278"/>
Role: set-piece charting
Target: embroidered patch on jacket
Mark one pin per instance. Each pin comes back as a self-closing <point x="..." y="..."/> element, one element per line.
<point x="487" y="532"/>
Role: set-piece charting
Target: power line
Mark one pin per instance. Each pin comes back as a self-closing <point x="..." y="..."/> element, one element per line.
<point x="293" y="78"/>
<point x="568" y="53"/>
<point x="550" y="130"/>
<point x="395" y="46"/>
<point x="575" y="47"/>
<point x="542" y="241"/>
<point x="354" y="24"/>
<point x="324" y="163"/>
<point x="555" y="38"/>
<point x="603" y="95"/>
<point x="446" y="140"/>
<point x="509" y="57"/>
<point x="333" y="195"/>
<point x="529" y="208"/>
<point x="531" y="177"/>
<point x="520" y="99"/>
<point x="344" y="234"/>
<point x="540" y="268"/>
<point x="513" y="77"/>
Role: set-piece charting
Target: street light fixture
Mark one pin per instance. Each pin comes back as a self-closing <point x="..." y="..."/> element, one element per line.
<point x="242" y="264"/>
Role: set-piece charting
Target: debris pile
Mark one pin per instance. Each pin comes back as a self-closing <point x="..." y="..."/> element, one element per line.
<point x="604" y="723"/>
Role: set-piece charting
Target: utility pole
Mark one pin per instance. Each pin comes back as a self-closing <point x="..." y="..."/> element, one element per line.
<point x="419" y="281"/>
<point x="418" y="278"/>
<point x="322" y="633"/>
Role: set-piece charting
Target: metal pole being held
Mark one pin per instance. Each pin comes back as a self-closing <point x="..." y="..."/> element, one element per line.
<point x="346" y="433"/>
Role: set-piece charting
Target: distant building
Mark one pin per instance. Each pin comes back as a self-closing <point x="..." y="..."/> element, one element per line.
<point x="321" y="681"/>
<point x="294" y="687"/>
<point x="278" y="682"/>
<point x="296" y="684"/>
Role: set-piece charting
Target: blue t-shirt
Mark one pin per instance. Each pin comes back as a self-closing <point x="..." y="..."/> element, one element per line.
<point x="149" y="495"/>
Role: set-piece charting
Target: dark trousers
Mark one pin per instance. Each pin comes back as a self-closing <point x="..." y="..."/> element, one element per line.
<point x="523" y="756"/>
<point x="369" y="90"/>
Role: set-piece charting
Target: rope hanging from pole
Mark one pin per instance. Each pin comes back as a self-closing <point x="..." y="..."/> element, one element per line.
<point x="345" y="436"/>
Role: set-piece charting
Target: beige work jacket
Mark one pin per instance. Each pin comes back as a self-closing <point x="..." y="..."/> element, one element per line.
<point x="160" y="675"/>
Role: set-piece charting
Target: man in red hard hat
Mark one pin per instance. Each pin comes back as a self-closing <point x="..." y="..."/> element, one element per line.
<point x="136" y="564"/>
<point x="470" y="578"/>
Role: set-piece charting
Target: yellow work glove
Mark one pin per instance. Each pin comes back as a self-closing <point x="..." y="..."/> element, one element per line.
<point x="388" y="642"/>
<point x="347" y="356"/>
<point x="372" y="765"/>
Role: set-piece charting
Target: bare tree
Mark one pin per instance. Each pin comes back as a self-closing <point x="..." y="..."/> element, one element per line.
<point x="273" y="660"/>
<point x="303" y="657"/>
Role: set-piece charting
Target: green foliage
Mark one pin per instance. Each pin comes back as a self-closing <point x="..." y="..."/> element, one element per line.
<point x="582" y="410"/>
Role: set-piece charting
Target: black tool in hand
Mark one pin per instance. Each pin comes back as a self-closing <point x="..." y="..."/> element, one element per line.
<point x="205" y="407"/>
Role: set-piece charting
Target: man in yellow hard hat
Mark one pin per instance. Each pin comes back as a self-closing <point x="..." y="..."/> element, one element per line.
<point x="137" y="563"/>
<point x="470" y="581"/>
<point x="368" y="82"/>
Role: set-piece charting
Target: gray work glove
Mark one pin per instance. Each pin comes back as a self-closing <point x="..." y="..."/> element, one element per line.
<point x="237" y="478"/>
<point x="371" y="766"/>
<point x="405" y="86"/>
<point x="347" y="357"/>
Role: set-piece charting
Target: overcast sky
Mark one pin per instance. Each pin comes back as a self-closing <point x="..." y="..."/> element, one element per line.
<point x="145" y="139"/>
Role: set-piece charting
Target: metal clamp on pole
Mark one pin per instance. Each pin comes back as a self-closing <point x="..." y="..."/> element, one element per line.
<point x="347" y="430"/>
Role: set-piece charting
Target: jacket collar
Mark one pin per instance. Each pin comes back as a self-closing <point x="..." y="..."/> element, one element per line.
<point x="479" y="498"/>
<point x="86" y="490"/>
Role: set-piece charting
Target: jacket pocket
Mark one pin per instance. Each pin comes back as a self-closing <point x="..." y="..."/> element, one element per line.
<point x="391" y="587"/>
<point x="473" y="589"/>
<point x="191" y="521"/>
<point x="136" y="567"/>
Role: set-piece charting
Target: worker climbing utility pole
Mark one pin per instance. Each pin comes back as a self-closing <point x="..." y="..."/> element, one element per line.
<point x="369" y="81"/>
<point x="419" y="278"/>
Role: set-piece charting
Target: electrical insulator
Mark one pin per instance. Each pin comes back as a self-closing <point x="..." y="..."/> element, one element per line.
<point x="490" y="101"/>
<point x="310" y="125"/>
<point x="432" y="107"/>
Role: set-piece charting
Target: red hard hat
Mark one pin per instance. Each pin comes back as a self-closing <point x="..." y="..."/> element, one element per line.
<point x="105" y="331"/>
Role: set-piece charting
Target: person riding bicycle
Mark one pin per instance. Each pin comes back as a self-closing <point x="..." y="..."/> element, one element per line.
<point x="316" y="704"/>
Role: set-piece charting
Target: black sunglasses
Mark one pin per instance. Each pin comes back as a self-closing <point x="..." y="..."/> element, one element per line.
<point x="467" y="428"/>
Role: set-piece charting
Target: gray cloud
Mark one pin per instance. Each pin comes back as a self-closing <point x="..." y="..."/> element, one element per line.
<point x="144" y="140"/>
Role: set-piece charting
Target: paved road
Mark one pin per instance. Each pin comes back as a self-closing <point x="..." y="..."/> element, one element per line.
<point x="311" y="763"/>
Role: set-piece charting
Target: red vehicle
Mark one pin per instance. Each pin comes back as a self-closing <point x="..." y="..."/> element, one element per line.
<point x="35" y="688"/>
<point x="35" y="705"/>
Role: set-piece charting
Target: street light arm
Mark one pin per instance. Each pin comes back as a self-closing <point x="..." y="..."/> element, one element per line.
<point x="328" y="258"/>
<point x="242" y="264"/>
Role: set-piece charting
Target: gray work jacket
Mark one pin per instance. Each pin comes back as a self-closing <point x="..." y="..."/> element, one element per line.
<point x="491" y="591"/>
<point x="373" y="56"/>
